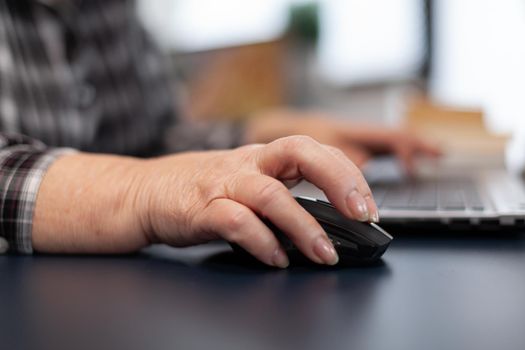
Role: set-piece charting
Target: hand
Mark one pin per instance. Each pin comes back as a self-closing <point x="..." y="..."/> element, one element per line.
<point x="359" y="142"/>
<point x="193" y="198"/>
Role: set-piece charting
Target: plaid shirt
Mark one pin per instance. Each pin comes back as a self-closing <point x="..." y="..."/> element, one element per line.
<point x="81" y="75"/>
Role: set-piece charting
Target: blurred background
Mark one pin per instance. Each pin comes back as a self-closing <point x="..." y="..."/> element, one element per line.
<point x="397" y="61"/>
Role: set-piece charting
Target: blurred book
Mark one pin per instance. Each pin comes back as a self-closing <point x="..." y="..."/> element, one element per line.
<point x="462" y="134"/>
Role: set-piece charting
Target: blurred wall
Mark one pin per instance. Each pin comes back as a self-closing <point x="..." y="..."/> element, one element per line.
<point x="366" y="63"/>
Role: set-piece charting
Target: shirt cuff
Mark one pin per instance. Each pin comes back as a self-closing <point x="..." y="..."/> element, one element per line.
<point x="22" y="172"/>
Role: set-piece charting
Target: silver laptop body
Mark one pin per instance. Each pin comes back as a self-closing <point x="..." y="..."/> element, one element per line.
<point x="462" y="195"/>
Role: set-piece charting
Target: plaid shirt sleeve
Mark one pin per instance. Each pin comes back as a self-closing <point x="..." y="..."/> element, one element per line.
<point x="23" y="163"/>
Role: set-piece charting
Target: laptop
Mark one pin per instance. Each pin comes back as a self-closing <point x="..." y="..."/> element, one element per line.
<point x="468" y="195"/>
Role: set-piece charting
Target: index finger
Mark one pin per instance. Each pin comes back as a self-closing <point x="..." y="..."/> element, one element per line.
<point x="341" y="181"/>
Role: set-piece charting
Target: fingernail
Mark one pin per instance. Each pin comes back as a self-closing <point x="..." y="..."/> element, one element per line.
<point x="357" y="205"/>
<point x="325" y="251"/>
<point x="280" y="259"/>
<point x="372" y="209"/>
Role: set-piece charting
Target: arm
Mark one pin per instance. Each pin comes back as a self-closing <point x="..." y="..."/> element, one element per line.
<point x="109" y="204"/>
<point x="359" y="142"/>
<point x="87" y="204"/>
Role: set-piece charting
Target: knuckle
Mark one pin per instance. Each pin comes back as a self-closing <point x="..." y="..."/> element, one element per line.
<point x="250" y="147"/>
<point x="341" y="156"/>
<point x="298" y="142"/>
<point x="270" y="191"/>
<point x="236" y="220"/>
<point x="337" y="152"/>
<point x="304" y="139"/>
<point x="248" y="151"/>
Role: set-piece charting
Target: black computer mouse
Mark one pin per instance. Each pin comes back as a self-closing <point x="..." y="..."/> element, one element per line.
<point x="356" y="242"/>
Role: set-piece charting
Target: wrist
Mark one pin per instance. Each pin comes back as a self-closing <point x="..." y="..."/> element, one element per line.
<point x="164" y="194"/>
<point x="89" y="204"/>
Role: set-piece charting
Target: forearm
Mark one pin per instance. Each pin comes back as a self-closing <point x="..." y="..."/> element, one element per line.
<point x="110" y="204"/>
<point x="86" y="204"/>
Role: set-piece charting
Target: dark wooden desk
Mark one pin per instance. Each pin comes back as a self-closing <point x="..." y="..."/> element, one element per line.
<point x="430" y="293"/>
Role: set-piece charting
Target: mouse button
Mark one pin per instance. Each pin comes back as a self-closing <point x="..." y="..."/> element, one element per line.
<point x="387" y="236"/>
<point x="327" y="213"/>
<point x="380" y="239"/>
<point x="322" y="211"/>
<point x="343" y="235"/>
<point x="371" y="232"/>
<point x="310" y="205"/>
<point x="317" y="207"/>
<point x="348" y="229"/>
<point x="368" y="231"/>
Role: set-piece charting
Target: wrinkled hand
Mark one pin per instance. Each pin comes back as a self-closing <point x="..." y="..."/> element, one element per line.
<point x="358" y="142"/>
<point x="193" y="198"/>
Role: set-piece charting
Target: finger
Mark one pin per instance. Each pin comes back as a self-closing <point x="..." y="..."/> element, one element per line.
<point x="342" y="182"/>
<point x="238" y="224"/>
<point x="406" y="156"/>
<point x="407" y="151"/>
<point x="271" y="199"/>
<point x="369" y="199"/>
<point x="372" y="205"/>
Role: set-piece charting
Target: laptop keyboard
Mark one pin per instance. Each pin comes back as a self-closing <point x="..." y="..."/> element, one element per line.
<point x="450" y="195"/>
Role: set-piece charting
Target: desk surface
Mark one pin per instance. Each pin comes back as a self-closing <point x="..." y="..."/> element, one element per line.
<point x="430" y="293"/>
